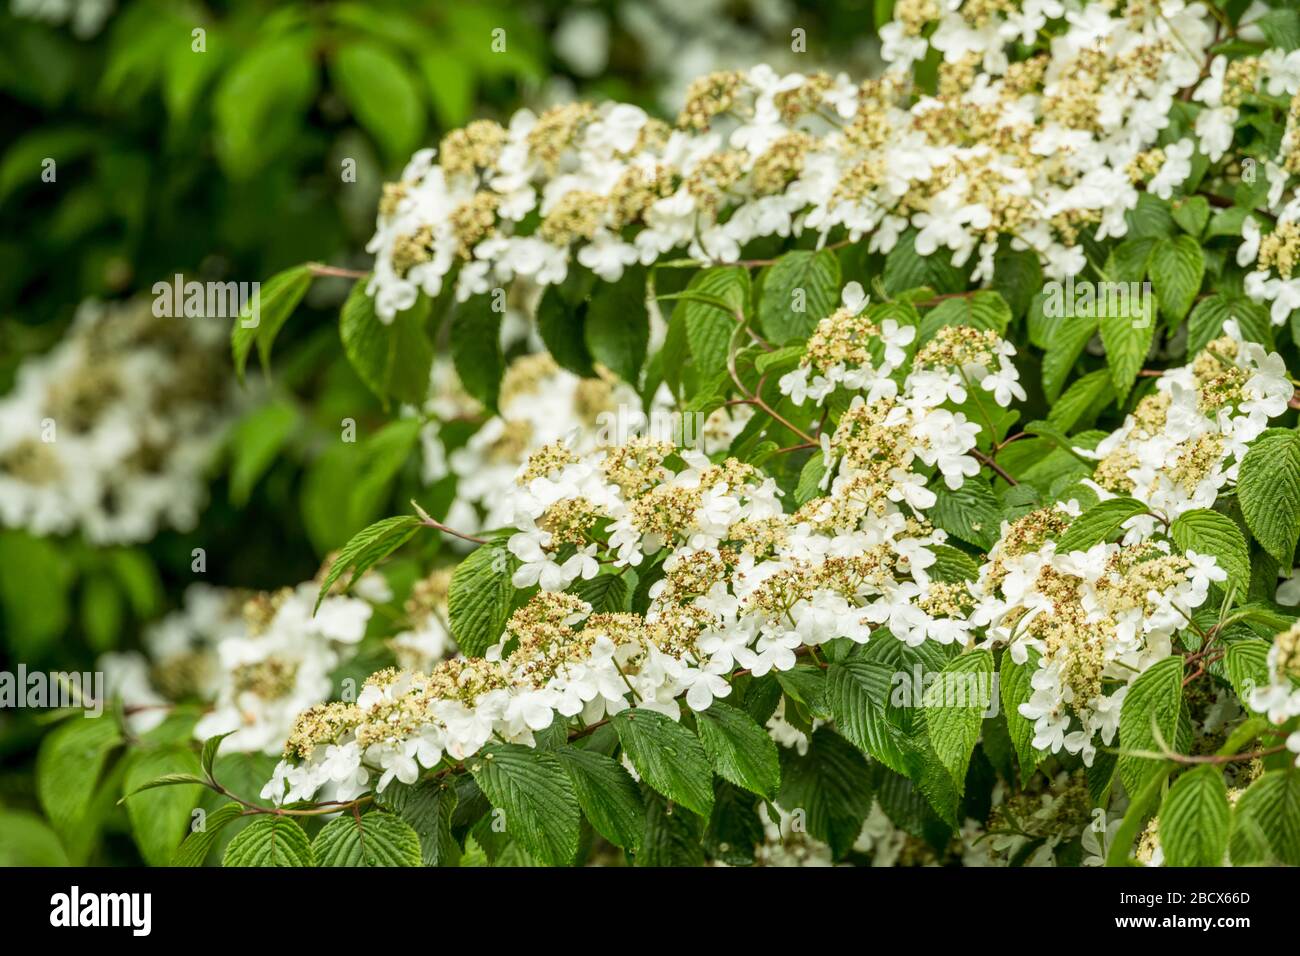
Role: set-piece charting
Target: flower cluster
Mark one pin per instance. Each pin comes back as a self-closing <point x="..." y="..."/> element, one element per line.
<point x="743" y="583"/>
<point x="1096" y="619"/>
<point x="256" y="660"/>
<point x="111" y="433"/>
<point x="539" y="404"/>
<point x="1036" y="150"/>
<point x="1280" y="699"/>
<point x="1183" y="443"/>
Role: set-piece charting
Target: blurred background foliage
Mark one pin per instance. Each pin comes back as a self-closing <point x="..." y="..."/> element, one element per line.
<point x="227" y="141"/>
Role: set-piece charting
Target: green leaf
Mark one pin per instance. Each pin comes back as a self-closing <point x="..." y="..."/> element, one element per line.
<point x="1280" y="27"/>
<point x="741" y="751"/>
<point x="561" y="326"/>
<point x="607" y="794"/>
<point x="537" y="797"/>
<point x="393" y="359"/>
<point x="372" y="839"/>
<point x="954" y="711"/>
<point x="1014" y="685"/>
<point x="810" y="478"/>
<point x="1270" y="807"/>
<point x="25" y="840"/>
<point x="906" y="269"/>
<point x="668" y="757"/>
<point x="1194" y="819"/>
<point x="618" y="326"/>
<point x="1177" y="269"/>
<point x="1138" y="810"/>
<point x="366" y="548"/>
<point x="36" y="579"/>
<point x="270" y="840"/>
<point x="1067" y="339"/>
<point x="276" y="300"/>
<point x="671" y="836"/>
<point x="1247" y="666"/>
<point x="606" y="592"/>
<point x="164" y="788"/>
<point x="478" y="601"/>
<point x="1127" y="331"/>
<point x="255" y="442"/>
<point x="1087" y="393"/>
<point x="427" y="807"/>
<point x="712" y="305"/>
<point x="1209" y="532"/>
<point x="971" y="513"/>
<point x="196" y="846"/>
<point x="383" y="96"/>
<point x="258" y="105"/>
<point x="1154" y="701"/>
<point x="980" y="310"/>
<point x="1268" y="488"/>
<point x="476" y="347"/>
<point x="69" y="765"/>
<point x="857" y="691"/>
<point x="830" y="785"/>
<point x="1098" y="523"/>
<point x="1018" y="276"/>
<point x="800" y="289"/>
<point x="1207" y="319"/>
<point x="1192" y="213"/>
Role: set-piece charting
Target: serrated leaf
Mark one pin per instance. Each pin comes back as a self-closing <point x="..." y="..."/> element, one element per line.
<point x="1268" y="488"/>
<point x="1194" y="819"/>
<point x="608" y="796"/>
<point x="1098" y="523"/>
<point x="1015" y="688"/>
<point x="979" y="310"/>
<point x="69" y="765"/>
<point x="537" y="797"/>
<point x="1067" y="339"/>
<point x="1177" y="268"/>
<point x="954" y="711"/>
<point x="1085" y="393"/>
<point x="478" y="601"/>
<point x="857" y="691"/>
<point x="1127" y="331"/>
<point x="971" y="513"/>
<point x="668" y="757"/>
<point x="270" y="840"/>
<point x="831" y="785"/>
<point x="1207" y="320"/>
<point x="1209" y="532"/>
<point x="210" y="748"/>
<point x="427" y="806"/>
<point x="1270" y="807"/>
<point x="1156" y="696"/>
<point x="196" y="846"/>
<point x="366" y="548"/>
<point x="371" y="839"/>
<point x="800" y="277"/>
<point x="1247" y="665"/>
<point x="741" y="751"/>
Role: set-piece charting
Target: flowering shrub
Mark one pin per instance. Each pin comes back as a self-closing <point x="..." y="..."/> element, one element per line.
<point x="973" y="536"/>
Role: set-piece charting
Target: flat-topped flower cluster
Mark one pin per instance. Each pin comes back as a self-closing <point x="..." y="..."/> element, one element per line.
<point x="1039" y="150"/>
<point x="747" y="584"/>
<point x="111" y="433"/>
